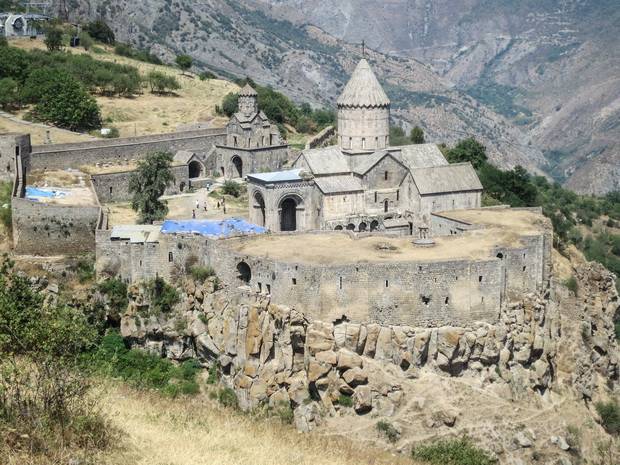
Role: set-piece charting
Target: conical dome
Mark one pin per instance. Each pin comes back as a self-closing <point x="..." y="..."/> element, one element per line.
<point x="363" y="89"/>
<point x="248" y="91"/>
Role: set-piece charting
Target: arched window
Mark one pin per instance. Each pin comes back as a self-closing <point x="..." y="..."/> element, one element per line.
<point x="385" y="206"/>
<point x="244" y="272"/>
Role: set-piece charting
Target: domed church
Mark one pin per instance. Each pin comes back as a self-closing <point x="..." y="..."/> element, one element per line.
<point x="363" y="184"/>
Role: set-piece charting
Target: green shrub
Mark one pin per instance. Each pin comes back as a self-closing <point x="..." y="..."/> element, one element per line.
<point x="387" y="429"/>
<point x="572" y="285"/>
<point x="163" y="295"/>
<point x="85" y="271"/>
<point x="190" y="388"/>
<point x="205" y="75"/>
<point x="113" y="133"/>
<point x="231" y="188"/>
<point x="456" y="452"/>
<point x="610" y="416"/>
<point x="345" y="400"/>
<point x="6" y="218"/>
<point x="116" y="290"/>
<point x="228" y="398"/>
<point x="214" y="375"/>
<point x="201" y="273"/>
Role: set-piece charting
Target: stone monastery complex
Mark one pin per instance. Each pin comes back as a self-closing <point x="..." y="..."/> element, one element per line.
<point x="359" y="231"/>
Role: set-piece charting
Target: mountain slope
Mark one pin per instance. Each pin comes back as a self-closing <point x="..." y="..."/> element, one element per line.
<point x="559" y="59"/>
<point x="238" y="38"/>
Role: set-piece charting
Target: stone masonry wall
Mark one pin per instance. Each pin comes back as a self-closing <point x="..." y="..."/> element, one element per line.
<point x="114" y="187"/>
<point x="52" y="229"/>
<point x="63" y="156"/>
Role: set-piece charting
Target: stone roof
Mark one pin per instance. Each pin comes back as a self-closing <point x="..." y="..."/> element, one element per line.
<point x="419" y="155"/>
<point x="183" y="156"/>
<point x="338" y="184"/>
<point x="248" y="91"/>
<point x="363" y="89"/>
<point x="329" y="160"/>
<point x="458" y="177"/>
<point x="365" y="165"/>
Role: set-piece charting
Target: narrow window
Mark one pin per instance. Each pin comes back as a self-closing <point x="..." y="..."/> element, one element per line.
<point x="387" y="283"/>
<point x="17" y="151"/>
<point x="350" y="142"/>
<point x="479" y="279"/>
<point x="482" y="299"/>
<point x="376" y="142"/>
<point x="268" y="288"/>
<point x="447" y="300"/>
<point x="140" y="262"/>
<point x="385" y="206"/>
<point x="363" y="142"/>
<point x="294" y="282"/>
<point x="385" y="176"/>
<point x="260" y="288"/>
<point x="170" y="257"/>
<point x="397" y="195"/>
<point x="524" y="268"/>
<point x="340" y="282"/>
<point x="375" y="197"/>
<point x="110" y="190"/>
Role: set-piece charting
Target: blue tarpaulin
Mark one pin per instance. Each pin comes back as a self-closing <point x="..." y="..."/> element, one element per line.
<point x="34" y="192"/>
<point x="212" y="229"/>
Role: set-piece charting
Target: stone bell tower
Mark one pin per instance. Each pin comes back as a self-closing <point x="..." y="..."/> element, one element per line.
<point x="363" y="112"/>
<point x="248" y="101"/>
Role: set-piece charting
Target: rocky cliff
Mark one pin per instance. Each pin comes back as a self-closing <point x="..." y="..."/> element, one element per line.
<point x="514" y="384"/>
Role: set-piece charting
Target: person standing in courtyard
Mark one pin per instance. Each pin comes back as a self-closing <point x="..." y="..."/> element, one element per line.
<point x="205" y="205"/>
<point x="193" y="214"/>
<point x="197" y="205"/>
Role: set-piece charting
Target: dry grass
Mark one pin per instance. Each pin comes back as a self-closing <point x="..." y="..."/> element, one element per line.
<point x="146" y="113"/>
<point x="196" y="431"/>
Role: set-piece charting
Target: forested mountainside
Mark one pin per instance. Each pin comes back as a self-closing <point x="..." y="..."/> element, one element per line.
<point x="552" y="66"/>
<point x="527" y="78"/>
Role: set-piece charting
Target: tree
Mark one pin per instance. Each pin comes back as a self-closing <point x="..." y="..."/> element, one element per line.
<point x="161" y="83"/>
<point x="100" y="31"/>
<point x="60" y="99"/>
<point x="14" y="64"/>
<point x="468" y="150"/>
<point x="184" y="62"/>
<point x="397" y="136"/>
<point x="53" y="39"/>
<point x="8" y="92"/>
<point x="148" y="183"/>
<point x="417" y="135"/>
<point x="230" y="104"/>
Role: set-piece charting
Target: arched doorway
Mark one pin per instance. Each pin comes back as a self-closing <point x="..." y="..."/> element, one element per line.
<point x="338" y="228"/>
<point x="195" y="169"/>
<point x="244" y="272"/>
<point x="260" y="204"/>
<point x="182" y="186"/>
<point x="238" y="164"/>
<point x="288" y="215"/>
<point x="374" y="225"/>
<point x="350" y="227"/>
<point x="363" y="227"/>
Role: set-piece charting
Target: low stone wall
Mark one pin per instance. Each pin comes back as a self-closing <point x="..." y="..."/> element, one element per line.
<point x="64" y="156"/>
<point x="320" y="138"/>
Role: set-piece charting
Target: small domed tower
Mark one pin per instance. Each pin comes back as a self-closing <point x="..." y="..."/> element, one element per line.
<point x="363" y="112"/>
<point x="248" y="101"/>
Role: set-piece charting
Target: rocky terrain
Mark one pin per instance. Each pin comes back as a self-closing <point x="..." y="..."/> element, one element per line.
<point x="520" y="387"/>
<point x="548" y="71"/>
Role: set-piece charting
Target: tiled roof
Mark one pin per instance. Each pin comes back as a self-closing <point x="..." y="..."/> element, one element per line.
<point x="337" y="184"/>
<point x="277" y="176"/>
<point x="446" y="178"/>
<point x="248" y="91"/>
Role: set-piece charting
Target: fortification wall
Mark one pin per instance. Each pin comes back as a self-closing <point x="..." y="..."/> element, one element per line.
<point x="114" y="187"/>
<point x="13" y="146"/>
<point x="254" y="160"/>
<point x="53" y="229"/>
<point x="63" y="156"/>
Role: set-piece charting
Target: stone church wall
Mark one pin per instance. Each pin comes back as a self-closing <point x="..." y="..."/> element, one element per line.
<point x="255" y="160"/>
<point x="10" y="145"/>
